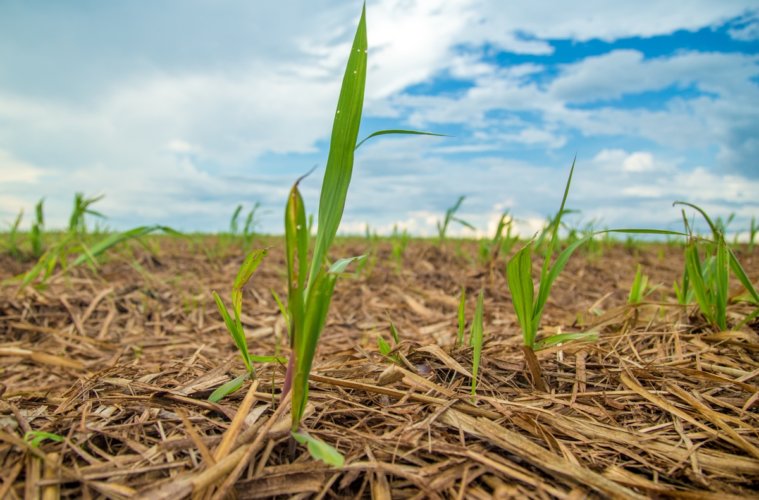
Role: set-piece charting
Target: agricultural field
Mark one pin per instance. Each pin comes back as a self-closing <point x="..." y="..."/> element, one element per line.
<point x="117" y="365"/>
<point x="577" y="362"/>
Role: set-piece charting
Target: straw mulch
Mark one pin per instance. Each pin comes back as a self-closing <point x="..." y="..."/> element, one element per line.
<point x="121" y="362"/>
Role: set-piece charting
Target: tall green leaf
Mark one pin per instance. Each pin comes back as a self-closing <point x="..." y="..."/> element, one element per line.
<point x="337" y="174"/>
<point x="519" y="276"/>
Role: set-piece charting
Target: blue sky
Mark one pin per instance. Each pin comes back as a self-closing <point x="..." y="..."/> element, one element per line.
<point x="179" y="111"/>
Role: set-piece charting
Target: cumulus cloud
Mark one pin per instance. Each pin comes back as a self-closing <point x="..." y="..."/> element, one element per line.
<point x="179" y="112"/>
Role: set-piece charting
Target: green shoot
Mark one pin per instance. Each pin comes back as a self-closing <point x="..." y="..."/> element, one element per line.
<point x="385" y="348"/>
<point x="234" y="324"/>
<point x="233" y="225"/>
<point x="73" y="241"/>
<point x="320" y="450"/>
<point x="309" y="298"/>
<point x="528" y="307"/>
<point x="639" y="288"/>
<point x="461" y="318"/>
<point x="250" y="225"/>
<point x="752" y="230"/>
<point x="13" y="248"/>
<point x="394" y="333"/>
<point x="35" y="236"/>
<point x="450" y="216"/>
<point x="475" y="341"/>
<point x="709" y="278"/>
<point x="77" y="224"/>
<point x="399" y="241"/>
<point x="228" y="388"/>
<point x="35" y="438"/>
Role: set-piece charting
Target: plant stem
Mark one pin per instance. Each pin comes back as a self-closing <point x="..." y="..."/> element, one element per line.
<point x="534" y="367"/>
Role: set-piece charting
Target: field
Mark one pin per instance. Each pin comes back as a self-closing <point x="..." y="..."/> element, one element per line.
<point x="117" y="365"/>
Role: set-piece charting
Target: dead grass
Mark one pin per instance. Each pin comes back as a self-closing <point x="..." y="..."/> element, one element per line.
<point x="121" y="363"/>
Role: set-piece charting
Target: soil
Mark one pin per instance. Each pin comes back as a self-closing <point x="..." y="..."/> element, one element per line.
<point x="118" y="362"/>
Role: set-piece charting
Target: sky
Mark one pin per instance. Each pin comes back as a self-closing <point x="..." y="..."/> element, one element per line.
<point x="178" y="111"/>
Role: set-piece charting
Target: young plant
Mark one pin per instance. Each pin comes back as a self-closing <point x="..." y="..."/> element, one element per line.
<point x="311" y="283"/>
<point x="35" y="438"/>
<point x="248" y="230"/>
<point x="475" y="341"/>
<point x="73" y="242"/>
<point x="35" y="236"/>
<point x="399" y="241"/>
<point x="385" y="348"/>
<point x="12" y="244"/>
<point x="235" y="328"/>
<point x="710" y="277"/>
<point x="450" y="216"/>
<point x="233" y="224"/>
<point x="752" y="230"/>
<point x="77" y="223"/>
<point x="639" y="288"/>
<point x="528" y="307"/>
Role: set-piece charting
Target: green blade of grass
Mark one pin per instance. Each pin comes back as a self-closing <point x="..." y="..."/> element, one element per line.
<point x="115" y="239"/>
<point x="715" y="230"/>
<point x="697" y="282"/>
<point x="35" y="438"/>
<point x="722" y="283"/>
<point x="248" y="267"/>
<point x="556" y="225"/>
<point x="337" y="174"/>
<point x="383" y="346"/>
<point x="237" y="335"/>
<point x="396" y="131"/>
<point x="296" y="250"/>
<point x="319" y="297"/>
<point x="228" y="388"/>
<point x="320" y="450"/>
<point x="735" y="265"/>
<point x="394" y="334"/>
<point x="546" y="282"/>
<point x="519" y="279"/>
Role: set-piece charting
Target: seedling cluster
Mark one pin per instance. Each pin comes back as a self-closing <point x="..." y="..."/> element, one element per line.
<point x="312" y="275"/>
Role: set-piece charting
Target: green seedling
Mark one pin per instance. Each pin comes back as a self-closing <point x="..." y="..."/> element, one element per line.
<point x="35" y="438"/>
<point x="248" y="230"/>
<point x="501" y="243"/>
<point x="233" y="224"/>
<point x="311" y="283"/>
<point x="475" y="340"/>
<point x="528" y="307"/>
<point x="752" y="230"/>
<point x="385" y="348"/>
<point x="249" y="225"/>
<point x="235" y="327"/>
<point x="73" y="242"/>
<point x="320" y="450"/>
<point x="35" y="236"/>
<point x="77" y="223"/>
<point x="13" y="248"/>
<point x="639" y="289"/>
<point x="450" y="216"/>
<point x="709" y="277"/>
<point x="399" y="241"/>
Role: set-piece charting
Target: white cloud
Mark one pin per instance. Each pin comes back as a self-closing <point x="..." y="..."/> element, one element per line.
<point x="13" y="170"/>
<point x="183" y="131"/>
